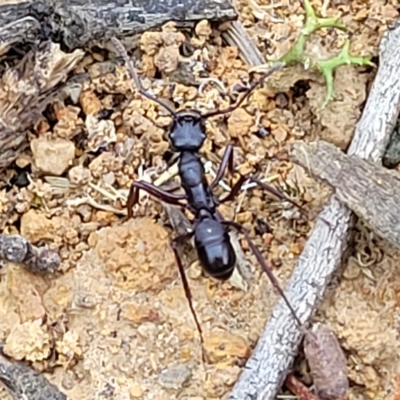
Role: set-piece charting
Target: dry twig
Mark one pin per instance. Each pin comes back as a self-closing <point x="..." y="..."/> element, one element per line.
<point x="23" y="383"/>
<point x="16" y="249"/>
<point x="299" y="389"/>
<point x="274" y="354"/>
<point x="369" y="190"/>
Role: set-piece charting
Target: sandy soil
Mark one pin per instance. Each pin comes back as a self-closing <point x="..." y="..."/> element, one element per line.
<point x="114" y="322"/>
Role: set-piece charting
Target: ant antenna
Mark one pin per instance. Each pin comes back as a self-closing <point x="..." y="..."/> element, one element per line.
<point x="132" y="73"/>
<point x="278" y="66"/>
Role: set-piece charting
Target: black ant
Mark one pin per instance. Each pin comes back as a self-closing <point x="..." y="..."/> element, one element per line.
<point x="210" y="230"/>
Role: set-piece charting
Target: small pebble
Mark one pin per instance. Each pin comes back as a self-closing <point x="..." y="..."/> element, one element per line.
<point x="282" y="100"/>
<point x="68" y="381"/>
<point x="135" y="391"/>
<point x="263" y="132"/>
<point x="14" y="248"/>
<point x="224" y="345"/>
<point x="52" y="156"/>
<point x="48" y="261"/>
<point x="175" y="377"/>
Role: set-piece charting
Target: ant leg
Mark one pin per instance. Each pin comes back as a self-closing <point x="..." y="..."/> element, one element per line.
<point x="227" y="163"/>
<point x="180" y="240"/>
<point x="243" y="178"/>
<point x="263" y="264"/>
<point x="155" y="191"/>
<point x="235" y="189"/>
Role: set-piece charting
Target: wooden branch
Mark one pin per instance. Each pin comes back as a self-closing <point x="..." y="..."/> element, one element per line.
<point x="80" y="23"/>
<point x="277" y="347"/>
<point x="369" y="190"/>
<point x="22" y="382"/>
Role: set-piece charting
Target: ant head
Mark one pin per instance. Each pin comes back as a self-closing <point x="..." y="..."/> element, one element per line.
<point x="188" y="126"/>
<point x="188" y="131"/>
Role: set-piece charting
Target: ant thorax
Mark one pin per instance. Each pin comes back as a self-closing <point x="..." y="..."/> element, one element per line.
<point x="187" y="132"/>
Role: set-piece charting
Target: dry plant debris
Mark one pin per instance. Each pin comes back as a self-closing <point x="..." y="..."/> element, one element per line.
<point x="26" y="89"/>
<point x="80" y="24"/>
<point x="114" y="321"/>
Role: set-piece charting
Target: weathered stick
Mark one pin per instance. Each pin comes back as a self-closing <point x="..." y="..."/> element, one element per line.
<point x="80" y="23"/>
<point x="277" y="347"/>
<point x="22" y="382"/>
<point x="369" y="190"/>
<point x="237" y="36"/>
<point x="16" y="249"/>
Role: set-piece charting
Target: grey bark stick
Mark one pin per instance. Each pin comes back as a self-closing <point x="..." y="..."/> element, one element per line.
<point x="81" y="23"/>
<point x="372" y="192"/>
<point x="17" y="249"/>
<point x="23" y="383"/>
<point x="265" y="371"/>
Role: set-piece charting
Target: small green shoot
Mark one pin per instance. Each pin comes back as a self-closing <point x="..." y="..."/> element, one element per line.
<point x="327" y="67"/>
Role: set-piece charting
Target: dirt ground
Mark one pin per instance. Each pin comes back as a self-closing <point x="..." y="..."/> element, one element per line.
<point x="114" y="323"/>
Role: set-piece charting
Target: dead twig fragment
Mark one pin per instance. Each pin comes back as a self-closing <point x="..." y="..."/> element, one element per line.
<point x="369" y="190"/>
<point x="24" y="383"/>
<point x="277" y="347"/>
<point x="327" y="363"/>
<point x="238" y="37"/>
<point x="16" y="249"/>
<point x="17" y="31"/>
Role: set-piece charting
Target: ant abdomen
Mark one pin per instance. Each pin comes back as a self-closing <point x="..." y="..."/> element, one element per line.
<point x="214" y="249"/>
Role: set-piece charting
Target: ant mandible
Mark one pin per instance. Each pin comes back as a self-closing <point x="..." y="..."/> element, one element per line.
<point x="210" y="229"/>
